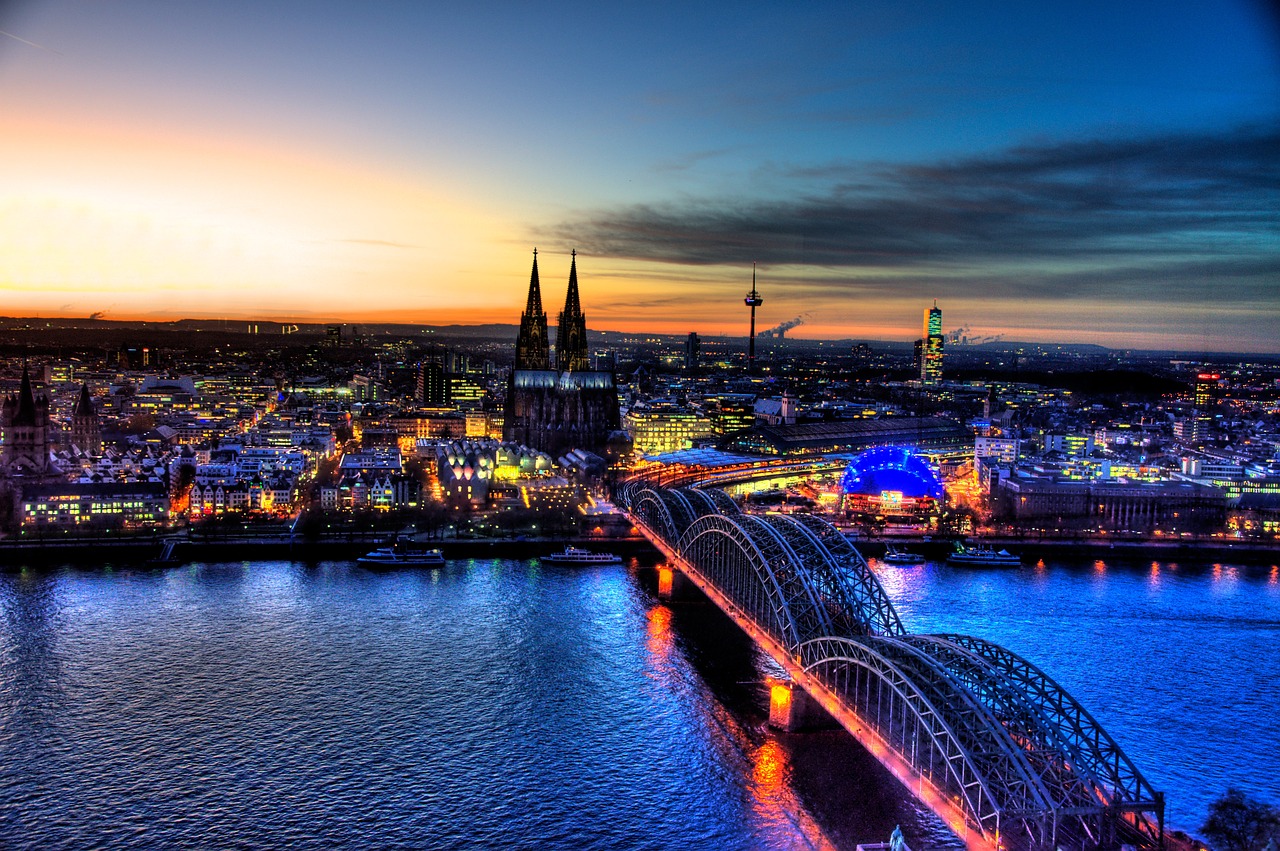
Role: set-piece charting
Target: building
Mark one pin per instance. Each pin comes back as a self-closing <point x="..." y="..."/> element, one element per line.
<point x="433" y="385"/>
<point x="692" y="345"/>
<point x="86" y="428"/>
<point x="929" y="435"/>
<point x="929" y="348"/>
<point x="730" y="412"/>
<point x="570" y="406"/>
<point x="663" y="426"/>
<point x="25" y="419"/>
<point x="1171" y="507"/>
<point x="1205" y="391"/>
<point x="115" y="505"/>
<point x="1004" y="450"/>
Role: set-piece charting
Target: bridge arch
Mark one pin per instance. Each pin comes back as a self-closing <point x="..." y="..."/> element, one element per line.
<point x="741" y="565"/>
<point x="879" y="617"/>
<point x="906" y="719"/>
<point x="648" y="506"/>
<point x="1107" y="772"/>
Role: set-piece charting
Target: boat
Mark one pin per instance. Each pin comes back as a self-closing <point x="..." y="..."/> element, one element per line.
<point x="573" y="555"/>
<point x="401" y="557"/>
<point x="892" y="556"/>
<point x="982" y="556"/>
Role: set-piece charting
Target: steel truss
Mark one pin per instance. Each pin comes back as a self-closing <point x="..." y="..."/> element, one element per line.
<point x="985" y="728"/>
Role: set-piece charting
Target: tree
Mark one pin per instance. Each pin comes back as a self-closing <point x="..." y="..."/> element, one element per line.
<point x="1237" y="822"/>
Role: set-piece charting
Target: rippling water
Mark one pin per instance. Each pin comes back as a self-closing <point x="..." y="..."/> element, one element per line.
<point x="504" y="704"/>
<point x="486" y="704"/>
<point x="1178" y="662"/>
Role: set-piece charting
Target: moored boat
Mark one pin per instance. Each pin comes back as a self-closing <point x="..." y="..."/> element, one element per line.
<point x="982" y="556"/>
<point x="400" y="557"/>
<point x="574" y="555"/>
<point x="892" y="556"/>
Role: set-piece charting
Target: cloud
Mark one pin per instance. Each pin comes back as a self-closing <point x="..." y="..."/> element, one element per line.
<point x="1165" y="212"/>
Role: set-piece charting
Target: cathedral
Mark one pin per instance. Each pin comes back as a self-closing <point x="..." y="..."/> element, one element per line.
<point x="561" y="406"/>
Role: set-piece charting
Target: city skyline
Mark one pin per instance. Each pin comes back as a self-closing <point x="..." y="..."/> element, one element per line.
<point x="1085" y="175"/>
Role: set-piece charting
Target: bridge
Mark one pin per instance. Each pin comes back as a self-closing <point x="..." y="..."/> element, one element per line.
<point x="980" y="735"/>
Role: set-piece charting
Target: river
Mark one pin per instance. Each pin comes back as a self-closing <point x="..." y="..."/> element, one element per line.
<point x="496" y="703"/>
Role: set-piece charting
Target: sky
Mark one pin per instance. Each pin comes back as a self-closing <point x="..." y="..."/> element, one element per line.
<point x="1085" y="172"/>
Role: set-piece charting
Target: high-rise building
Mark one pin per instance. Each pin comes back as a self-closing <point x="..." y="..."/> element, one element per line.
<point x="930" y="346"/>
<point x="1205" y="389"/>
<point x="433" y="384"/>
<point x="570" y="406"/>
<point x="691" y="347"/>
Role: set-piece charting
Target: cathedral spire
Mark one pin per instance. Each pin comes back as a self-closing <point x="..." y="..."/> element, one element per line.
<point x="571" y="335"/>
<point x="533" y="350"/>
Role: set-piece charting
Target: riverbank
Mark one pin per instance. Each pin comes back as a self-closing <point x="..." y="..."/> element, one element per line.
<point x="139" y="552"/>
<point x="1034" y="549"/>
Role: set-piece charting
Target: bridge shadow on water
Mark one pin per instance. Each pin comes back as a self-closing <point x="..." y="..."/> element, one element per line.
<point x="820" y="785"/>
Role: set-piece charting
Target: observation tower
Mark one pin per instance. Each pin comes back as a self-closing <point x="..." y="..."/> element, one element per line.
<point x="753" y="300"/>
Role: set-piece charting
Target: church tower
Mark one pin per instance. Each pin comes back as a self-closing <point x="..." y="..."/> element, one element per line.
<point x="86" y="430"/>
<point x="566" y="407"/>
<point x="26" y="432"/>
<point x="532" y="347"/>
<point x="571" y="335"/>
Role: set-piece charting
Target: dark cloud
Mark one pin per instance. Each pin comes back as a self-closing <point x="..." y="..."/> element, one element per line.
<point x="1154" y="212"/>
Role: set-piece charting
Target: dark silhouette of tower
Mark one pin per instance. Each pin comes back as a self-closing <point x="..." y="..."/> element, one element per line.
<point x="566" y="407"/>
<point x="26" y="432"/>
<point x="692" y="345"/>
<point x="532" y="348"/>
<point x="86" y="429"/>
<point x="571" y="333"/>
<point x="753" y="300"/>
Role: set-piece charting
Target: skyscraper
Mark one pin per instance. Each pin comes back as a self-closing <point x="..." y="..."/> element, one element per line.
<point x="692" y="344"/>
<point x="433" y="384"/>
<point x="930" y="346"/>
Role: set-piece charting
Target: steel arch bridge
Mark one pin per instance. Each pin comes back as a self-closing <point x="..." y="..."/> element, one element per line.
<point x="981" y="735"/>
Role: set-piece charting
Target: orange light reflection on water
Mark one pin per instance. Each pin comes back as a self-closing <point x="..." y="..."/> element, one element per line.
<point x="660" y="642"/>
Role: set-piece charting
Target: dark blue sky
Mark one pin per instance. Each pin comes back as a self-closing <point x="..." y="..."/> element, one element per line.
<point x="1105" y="172"/>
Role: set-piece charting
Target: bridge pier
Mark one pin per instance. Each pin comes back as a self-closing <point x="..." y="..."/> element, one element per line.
<point x="674" y="585"/>
<point x="792" y="710"/>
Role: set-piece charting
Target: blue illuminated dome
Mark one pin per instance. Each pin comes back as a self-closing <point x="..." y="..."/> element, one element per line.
<point x="891" y="468"/>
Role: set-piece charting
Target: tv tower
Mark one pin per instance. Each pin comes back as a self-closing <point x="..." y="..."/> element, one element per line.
<point x="753" y="300"/>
